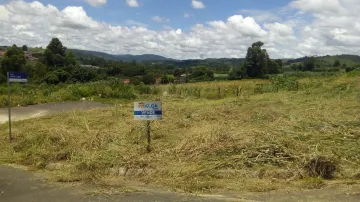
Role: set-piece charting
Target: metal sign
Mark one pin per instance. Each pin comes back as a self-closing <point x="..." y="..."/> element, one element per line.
<point x="18" y="77"/>
<point x="147" y="111"/>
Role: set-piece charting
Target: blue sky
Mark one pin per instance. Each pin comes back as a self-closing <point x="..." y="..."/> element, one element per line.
<point x="117" y="12"/>
<point x="210" y="29"/>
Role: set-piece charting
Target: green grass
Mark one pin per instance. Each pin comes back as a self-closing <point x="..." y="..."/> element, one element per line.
<point x="255" y="142"/>
<point x="221" y="75"/>
<point x="329" y="60"/>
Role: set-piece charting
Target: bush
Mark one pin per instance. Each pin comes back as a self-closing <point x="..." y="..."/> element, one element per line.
<point x="149" y="79"/>
<point x="3" y="78"/>
<point x="144" y="89"/>
<point x="349" y="69"/>
<point x="320" y="167"/>
<point x="51" y="78"/>
<point x="56" y="77"/>
<point x="282" y="81"/>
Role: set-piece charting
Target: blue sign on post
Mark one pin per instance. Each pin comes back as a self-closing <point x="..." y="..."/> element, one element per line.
<point x="147" y="111"/>
<point x="19" y="77"/>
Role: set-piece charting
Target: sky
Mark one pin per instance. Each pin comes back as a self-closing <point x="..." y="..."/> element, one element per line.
<point x="186" y="29"/>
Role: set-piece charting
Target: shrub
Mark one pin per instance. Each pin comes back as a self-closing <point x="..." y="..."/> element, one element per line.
<point x="282" y="81"/>
<point x="51" y="78"/>
<point x="149" y="79"/>
<point x="320" y="167"/>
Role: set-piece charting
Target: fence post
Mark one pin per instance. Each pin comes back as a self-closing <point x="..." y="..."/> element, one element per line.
<point x="148" y="129"/>
<point x="219" y="92"/>
<point x="199" y="92"/>
<point x="237" y="91"/>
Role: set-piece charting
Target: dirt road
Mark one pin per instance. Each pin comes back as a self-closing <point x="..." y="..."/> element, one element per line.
<point x="22" y="113"/>
<point x="18" y="185"/>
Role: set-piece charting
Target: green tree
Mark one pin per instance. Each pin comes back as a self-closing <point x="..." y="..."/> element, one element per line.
<point x="54" y="55"/>
<point x="171" y="78"/>
<point x="256" y="61"/>
<point x="165" y="79"/>
<point x="149" y="79"/>
<point x="14" y="60"/>
<point x="39" y="71"/>
<point x="178" y="72"/>
<point x="337" y="63"/>
<point x="51" y="78"/>
<point x="70" y="58"/>
<point x="294" y="67"/>
<point x="300" y="67"/>
<point x="309" y="64"/>
<point x="57" y="76"/>
<point x="203" y="72"/>
<point x="3" y="78"/>
<point x="24" y="48"/>
<point x="280" y="62"/>
<point x="274" y="67"/>
<point x="83" y="75"/>
<point x="236" y="73"/>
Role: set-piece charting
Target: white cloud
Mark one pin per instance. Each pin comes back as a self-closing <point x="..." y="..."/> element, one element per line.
<point x="4" y="13"/>
<point x="197" y="4"/>
<point x="187" y="15"/>
<point x="159" y="19"/>
<point x="96" y="3"/>
<point x="167" y="27"/>
<point x="262" y="16"/>
<point x="315" y="33"/>
<point x="135" y="23"/>
<point x="132" y="3"/>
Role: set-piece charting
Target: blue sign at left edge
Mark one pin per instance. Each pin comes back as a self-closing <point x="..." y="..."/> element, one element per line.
<point x="17" y="77"/>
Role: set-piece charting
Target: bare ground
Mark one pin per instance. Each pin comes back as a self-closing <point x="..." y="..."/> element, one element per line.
<point x="33" y="111"/>
<point x="18" y="184"/>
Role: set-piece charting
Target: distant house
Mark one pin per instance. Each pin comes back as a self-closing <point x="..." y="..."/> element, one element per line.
<point x="158" y="80"/>
<point x="2" y="52"/>
<point x="126" y="81"/>
<point x="29" y="56"/>
<point x="90" y="66"/>
<point x="182" y="79"/>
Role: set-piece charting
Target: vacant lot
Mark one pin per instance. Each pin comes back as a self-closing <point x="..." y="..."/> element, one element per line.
<point x="306" y="137"/>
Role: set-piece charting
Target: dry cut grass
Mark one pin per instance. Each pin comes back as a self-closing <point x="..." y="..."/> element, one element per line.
<point x="257" y="143"/>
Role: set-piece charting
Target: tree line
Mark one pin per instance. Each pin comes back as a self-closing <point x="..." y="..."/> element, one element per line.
<point x="59" y="65"/>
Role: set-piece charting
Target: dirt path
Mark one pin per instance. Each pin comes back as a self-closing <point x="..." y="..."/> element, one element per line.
<point x="18" y="185"/>
<point x="22" y="113"/>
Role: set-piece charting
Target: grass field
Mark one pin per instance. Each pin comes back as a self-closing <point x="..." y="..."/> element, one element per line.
<point x="276" y="139"/>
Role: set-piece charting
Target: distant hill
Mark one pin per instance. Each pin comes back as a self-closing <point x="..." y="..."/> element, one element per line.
<point x="126" y="58"/>
<point x="329" y="60"/>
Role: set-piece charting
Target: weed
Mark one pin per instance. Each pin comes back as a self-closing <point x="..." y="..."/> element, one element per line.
<point x="321" y="167"/>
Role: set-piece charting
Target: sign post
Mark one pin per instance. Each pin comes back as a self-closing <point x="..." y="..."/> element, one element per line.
<point x="148" y="111"/>
<point x="17" y="77"/>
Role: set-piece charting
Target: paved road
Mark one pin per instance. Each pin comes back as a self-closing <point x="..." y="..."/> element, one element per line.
<point x="21" y="113"/>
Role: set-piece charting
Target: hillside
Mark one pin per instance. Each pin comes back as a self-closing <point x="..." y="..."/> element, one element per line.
<point x="329" y="60"/>
<point x="126" y="58"/>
